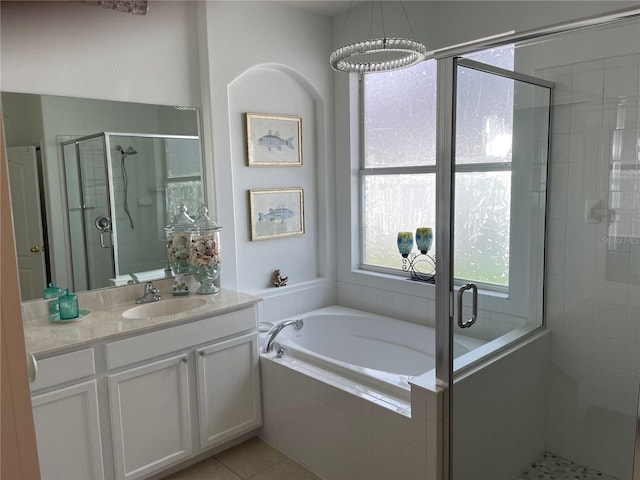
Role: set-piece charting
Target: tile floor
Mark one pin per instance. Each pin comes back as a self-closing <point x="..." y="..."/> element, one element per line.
<point x="257" y="460"/>
<point x="253" y="459"/>
<point x="553" y="467"/>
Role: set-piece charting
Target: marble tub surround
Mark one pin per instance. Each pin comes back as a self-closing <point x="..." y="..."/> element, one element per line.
<point x="106" y="320"/>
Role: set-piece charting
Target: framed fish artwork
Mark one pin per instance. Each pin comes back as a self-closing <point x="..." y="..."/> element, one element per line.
<point x="273" y="140"/>
<point x="276" y="213"/>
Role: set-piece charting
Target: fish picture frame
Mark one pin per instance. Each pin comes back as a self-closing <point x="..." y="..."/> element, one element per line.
<point x="273" y="140"/>
<point x="276" y="213"/>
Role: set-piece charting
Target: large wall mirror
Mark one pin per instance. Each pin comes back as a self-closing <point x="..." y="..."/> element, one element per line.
<point x="93" y="184"/>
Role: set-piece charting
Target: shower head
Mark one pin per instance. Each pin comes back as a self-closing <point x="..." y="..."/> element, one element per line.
<point x="129" y="151"/>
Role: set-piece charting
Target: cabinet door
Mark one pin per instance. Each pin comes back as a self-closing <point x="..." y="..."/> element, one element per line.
<point x="228" y="389"/>
<point x="68" y="432"/>
<point x="150" y="416"/>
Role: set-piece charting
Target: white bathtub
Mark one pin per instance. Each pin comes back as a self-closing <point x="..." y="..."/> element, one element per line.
<point x="376" y="352"/>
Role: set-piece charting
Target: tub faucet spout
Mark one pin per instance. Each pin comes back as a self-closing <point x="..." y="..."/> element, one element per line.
<point x="297" y="324"/>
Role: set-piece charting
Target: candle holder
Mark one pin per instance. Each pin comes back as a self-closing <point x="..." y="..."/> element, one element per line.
<point x="411" y="262"/>
<point x="420" y="266"/>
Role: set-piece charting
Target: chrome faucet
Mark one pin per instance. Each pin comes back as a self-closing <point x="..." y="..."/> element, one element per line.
<point x="297" y="324"/>
<point x="151" y="294"/>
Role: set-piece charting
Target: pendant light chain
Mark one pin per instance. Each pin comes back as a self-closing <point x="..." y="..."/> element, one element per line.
<point x="406" y="17"/>
<point x="344" y="24"/>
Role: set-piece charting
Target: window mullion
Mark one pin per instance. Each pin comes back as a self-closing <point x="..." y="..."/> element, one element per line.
<point x="483" y="167"/>
<point x="398" y="170"/>
<point x="460" y="168"/>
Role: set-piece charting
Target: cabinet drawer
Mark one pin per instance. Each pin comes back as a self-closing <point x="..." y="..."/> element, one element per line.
<point x="64" y="368"/>
<point x="146" y="346"/>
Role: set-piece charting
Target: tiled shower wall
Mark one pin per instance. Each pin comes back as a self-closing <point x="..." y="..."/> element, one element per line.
<point x="593" y="269"/>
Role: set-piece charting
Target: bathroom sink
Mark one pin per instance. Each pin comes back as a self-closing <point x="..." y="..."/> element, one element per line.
<point x="163" y="308"/>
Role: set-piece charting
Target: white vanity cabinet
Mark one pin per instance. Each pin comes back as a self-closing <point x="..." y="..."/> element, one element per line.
<point x="228" y="389"/>
<point x="66" y="417"/>
<point x="160" y="382"/>
<point x="150" y="417"/>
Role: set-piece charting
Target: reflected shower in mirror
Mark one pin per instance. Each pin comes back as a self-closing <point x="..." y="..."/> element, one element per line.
<point x="119" y="198"/>
<point x="104" y="195"/>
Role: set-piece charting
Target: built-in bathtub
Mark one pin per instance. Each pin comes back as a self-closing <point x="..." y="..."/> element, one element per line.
<point x="342" y="398"/>
<point x="378" y="352"/>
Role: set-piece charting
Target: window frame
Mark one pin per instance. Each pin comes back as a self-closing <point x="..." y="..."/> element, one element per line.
<point x="500" y="290"/>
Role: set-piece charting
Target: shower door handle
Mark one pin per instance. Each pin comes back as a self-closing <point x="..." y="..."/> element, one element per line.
<point x="102" y="240"/>
<point x="474" y="308"/>
<point x="103" y="224"/>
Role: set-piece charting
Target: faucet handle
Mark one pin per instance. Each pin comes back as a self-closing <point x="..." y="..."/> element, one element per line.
<point x="148" y="287"/>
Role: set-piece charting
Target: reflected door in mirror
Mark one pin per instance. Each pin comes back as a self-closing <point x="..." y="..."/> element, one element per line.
<point x="27" y="220"/>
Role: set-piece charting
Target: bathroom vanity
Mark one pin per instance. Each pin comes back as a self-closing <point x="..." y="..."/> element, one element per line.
<point x="119" y="397"/>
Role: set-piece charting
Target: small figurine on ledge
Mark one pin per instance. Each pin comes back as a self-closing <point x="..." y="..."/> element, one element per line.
<point x="278" y="280"/>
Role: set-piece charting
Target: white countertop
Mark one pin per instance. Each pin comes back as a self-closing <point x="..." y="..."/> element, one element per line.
<point x="106" y="322"/>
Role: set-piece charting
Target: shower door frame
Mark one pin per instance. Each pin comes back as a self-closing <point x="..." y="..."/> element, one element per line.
<point x="445" y="194"/>
<point x="76" y="143"/>
<point x="445" y="174"/>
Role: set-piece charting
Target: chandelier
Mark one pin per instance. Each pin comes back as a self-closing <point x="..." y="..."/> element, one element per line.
<point x="378" y="54"/>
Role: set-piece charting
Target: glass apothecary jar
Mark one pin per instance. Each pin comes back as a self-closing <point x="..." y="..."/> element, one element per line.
<point x="204" y="252"/>
<point x="178" y="237"/>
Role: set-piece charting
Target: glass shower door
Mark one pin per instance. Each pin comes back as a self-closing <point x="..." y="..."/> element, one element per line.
<point x="89" y="212"/>
<point x="498" y="195"/>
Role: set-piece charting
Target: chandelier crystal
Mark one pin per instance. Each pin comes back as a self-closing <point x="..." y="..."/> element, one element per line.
<point x="353" y="58"/>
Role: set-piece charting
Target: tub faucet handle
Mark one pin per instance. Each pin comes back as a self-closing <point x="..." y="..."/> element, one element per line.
<point x="279" y="350"/>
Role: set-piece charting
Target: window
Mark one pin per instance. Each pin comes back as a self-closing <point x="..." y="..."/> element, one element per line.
<point x="399" y="161"/>
<point x="183" y="182"/>
<point x="398" y="172"/>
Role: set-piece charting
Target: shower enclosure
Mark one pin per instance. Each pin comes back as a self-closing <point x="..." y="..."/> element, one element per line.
<point x="557" y="171"/>
<point x="122" y="189"/>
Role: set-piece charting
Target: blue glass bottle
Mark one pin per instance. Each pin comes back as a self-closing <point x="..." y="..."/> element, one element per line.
<point x="52" y="292"/>
<point x="68" y="306"/>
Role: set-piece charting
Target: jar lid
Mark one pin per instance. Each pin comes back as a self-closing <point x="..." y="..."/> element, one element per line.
<point x="181" y="219"/>
<point x="203" y="220"/>
<point x="67" y="295"/>
<point x="52" y="291"/>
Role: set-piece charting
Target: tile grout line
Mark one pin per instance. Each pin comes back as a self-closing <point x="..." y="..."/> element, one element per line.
<point x="286" y="457"/>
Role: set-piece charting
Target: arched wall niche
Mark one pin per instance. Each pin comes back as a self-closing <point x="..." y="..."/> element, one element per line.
<point x="279" y="90"/>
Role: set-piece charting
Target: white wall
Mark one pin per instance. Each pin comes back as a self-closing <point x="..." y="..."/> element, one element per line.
<point x="278" y="65"/>
<point x="75" y="49"/>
